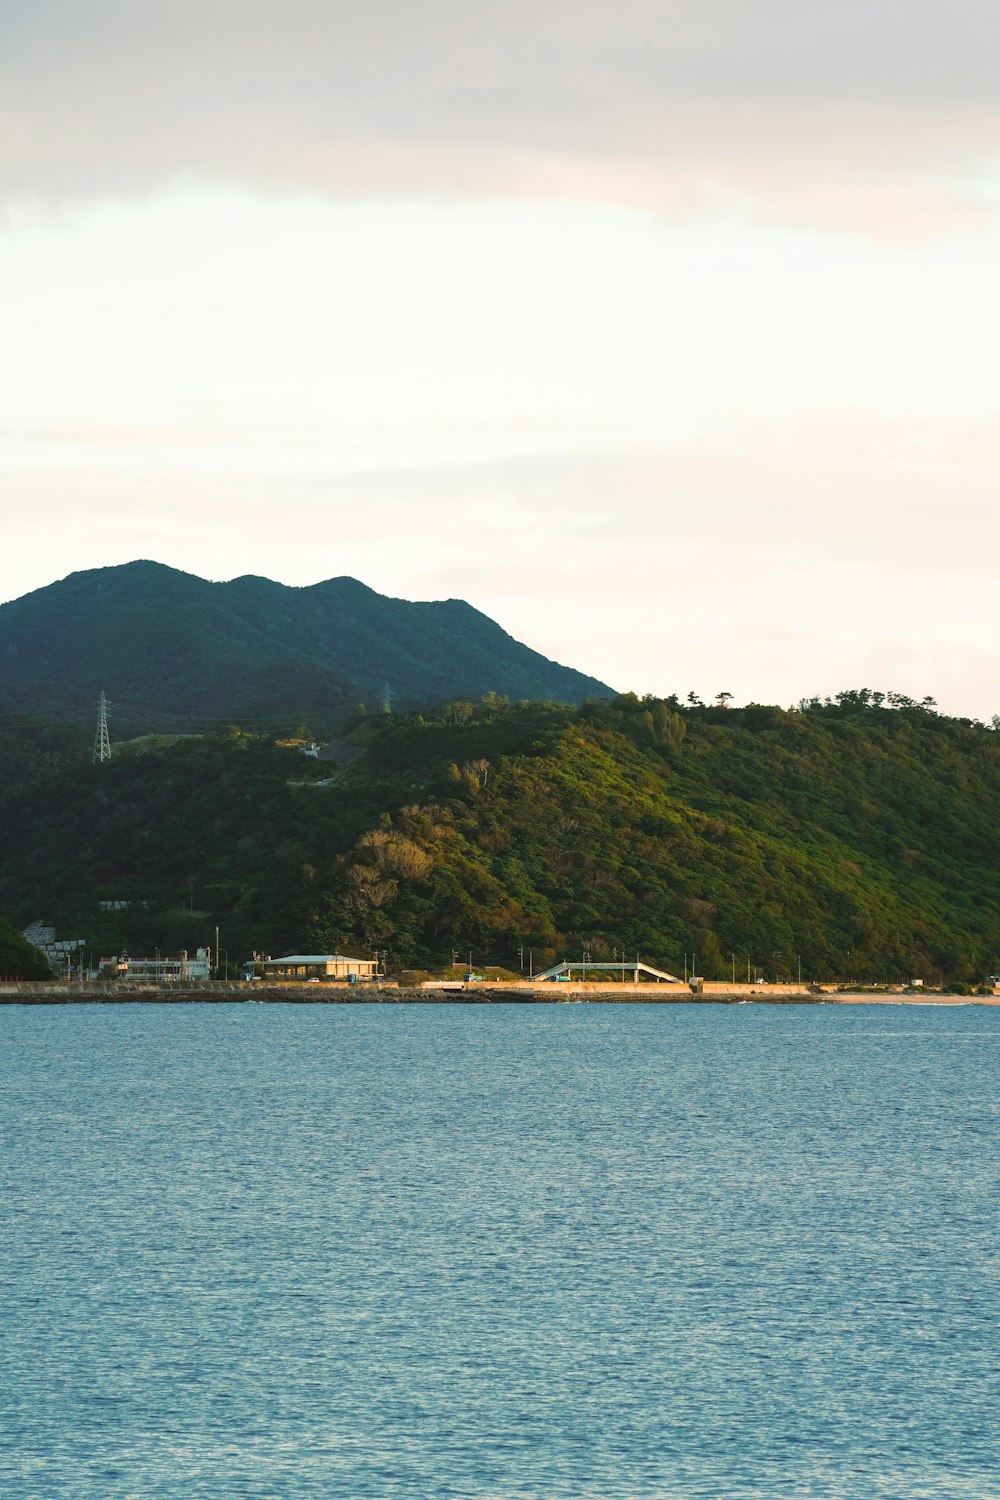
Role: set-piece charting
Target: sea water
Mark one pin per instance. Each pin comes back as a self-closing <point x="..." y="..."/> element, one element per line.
<point x="499" y="1251"/>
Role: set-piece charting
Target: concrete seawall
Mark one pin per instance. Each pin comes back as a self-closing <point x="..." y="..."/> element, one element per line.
<point x="526" y="993"/>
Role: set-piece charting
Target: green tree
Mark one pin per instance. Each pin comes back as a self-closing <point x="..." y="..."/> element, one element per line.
<point x="18" y="959"/>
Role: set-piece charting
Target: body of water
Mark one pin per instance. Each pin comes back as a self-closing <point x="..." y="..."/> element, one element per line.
<point x="564" y="1251"/>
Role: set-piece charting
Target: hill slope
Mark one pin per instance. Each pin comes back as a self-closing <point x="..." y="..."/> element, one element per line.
<point x="856" y="838"/>
<point x="170" y="649"/>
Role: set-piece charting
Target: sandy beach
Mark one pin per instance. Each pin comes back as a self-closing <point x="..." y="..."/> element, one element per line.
<point x="930" y="998"/>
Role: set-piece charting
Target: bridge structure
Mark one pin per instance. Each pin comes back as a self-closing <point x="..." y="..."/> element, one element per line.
<point x="586" y="968"/>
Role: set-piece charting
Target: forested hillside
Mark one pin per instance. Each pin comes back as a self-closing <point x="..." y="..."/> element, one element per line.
<point x="855" y="836"/>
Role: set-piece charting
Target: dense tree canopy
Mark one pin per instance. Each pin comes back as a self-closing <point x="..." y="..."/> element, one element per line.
<point x="18" y="959"/>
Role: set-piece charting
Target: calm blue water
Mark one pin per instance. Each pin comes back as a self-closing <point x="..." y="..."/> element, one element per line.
<point x="564" y="1251"/>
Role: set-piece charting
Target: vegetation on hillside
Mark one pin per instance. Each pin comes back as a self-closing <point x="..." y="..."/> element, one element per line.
<point x="854" y="836"/>
<point x="18" y="959"/>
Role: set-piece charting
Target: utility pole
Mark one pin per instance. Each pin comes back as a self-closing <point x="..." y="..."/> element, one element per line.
<point x="102" y="742"/>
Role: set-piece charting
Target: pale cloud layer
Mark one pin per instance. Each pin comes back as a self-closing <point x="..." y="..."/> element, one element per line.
<point x="882" y="114"/>
<point x="665" y="333"/>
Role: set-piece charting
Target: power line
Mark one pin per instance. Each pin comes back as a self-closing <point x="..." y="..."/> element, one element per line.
<point x="63" y="711"/>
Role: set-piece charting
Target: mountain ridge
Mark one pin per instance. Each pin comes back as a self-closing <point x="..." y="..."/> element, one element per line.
<point x="154" y="637"/>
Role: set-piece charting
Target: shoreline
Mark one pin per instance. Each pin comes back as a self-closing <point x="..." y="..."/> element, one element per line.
<point x="59" y="993"/>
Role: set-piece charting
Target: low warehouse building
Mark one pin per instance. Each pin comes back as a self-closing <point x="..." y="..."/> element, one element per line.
<point x="318" y="966"/>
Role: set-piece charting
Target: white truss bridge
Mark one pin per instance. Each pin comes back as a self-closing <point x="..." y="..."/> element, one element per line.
<point x="590" y="968"/>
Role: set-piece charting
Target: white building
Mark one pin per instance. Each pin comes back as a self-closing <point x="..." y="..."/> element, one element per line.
<point x="165" y="970"/>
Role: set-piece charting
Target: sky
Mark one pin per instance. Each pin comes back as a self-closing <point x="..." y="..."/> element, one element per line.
<point x="666" y="332"/>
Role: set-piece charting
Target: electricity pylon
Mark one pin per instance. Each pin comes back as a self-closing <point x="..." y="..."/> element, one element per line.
<point x="102" y="744"/>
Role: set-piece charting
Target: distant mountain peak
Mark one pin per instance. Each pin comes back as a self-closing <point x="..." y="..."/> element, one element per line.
<point x="171" y="646"/>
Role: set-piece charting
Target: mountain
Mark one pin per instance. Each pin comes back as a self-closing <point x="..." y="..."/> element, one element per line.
<point x="851" y="836"/>
<point x="174" y="651"/>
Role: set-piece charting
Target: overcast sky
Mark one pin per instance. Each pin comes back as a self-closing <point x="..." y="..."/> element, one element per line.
<point x="667" y="332"/>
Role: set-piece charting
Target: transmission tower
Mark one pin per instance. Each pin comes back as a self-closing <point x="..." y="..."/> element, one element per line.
<point x="387" y="699"/>
<point x="102" y="744"/>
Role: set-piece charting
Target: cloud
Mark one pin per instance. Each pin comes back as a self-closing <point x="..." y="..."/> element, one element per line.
<point x="719" y="452"/>
<point x="870" y="113"/>
<point x="325" y="338"/>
